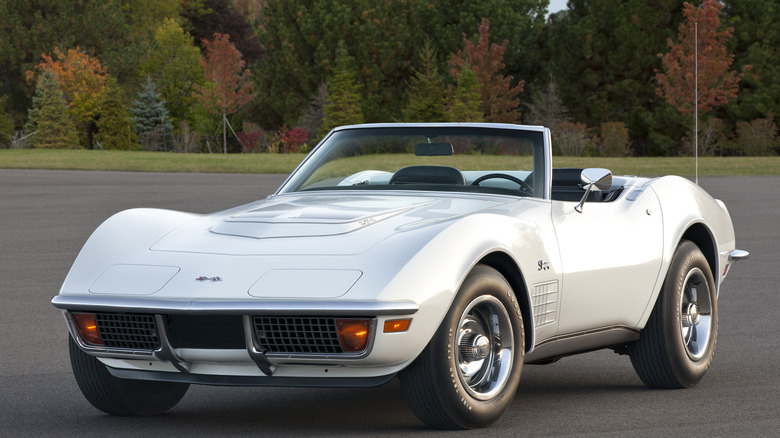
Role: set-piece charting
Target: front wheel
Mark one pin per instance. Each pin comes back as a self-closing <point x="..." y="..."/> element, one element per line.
<point x="116" y="396"/>
<point x="467" y="375"/>
<point x="676" y="346"/>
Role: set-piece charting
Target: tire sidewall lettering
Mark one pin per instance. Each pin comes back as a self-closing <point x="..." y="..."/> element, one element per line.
<point x="689" y="371"/>
<point x="507" y="297"/>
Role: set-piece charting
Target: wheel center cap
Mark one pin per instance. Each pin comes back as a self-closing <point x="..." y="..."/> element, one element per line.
<point x="481" y="347"/>
<point x="693" y="314"/>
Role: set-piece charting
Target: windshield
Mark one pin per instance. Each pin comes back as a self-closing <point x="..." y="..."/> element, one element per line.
<point x="500" y="159"/>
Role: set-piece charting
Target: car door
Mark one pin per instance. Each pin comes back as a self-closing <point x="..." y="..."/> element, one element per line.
<point x="610" y="258"/>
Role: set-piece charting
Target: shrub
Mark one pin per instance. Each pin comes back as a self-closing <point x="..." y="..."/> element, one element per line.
<point x="572" y="139"/>
<point x="271" y="142"/>
<point x="756" y="138"/>
<point x="614" y="140"/>
<point x="712" y="138"/>
<point x="186" y="139"/>
<point x="249" y="140"/>
<point x="294" y="139"/>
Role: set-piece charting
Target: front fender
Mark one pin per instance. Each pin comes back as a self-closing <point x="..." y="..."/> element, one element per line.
<point x="685" y="206"/>
<point x="433" y="275"/>
<point x="120" y="238"/>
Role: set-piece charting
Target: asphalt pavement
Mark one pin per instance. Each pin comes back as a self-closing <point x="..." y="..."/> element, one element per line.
<point x="45" y="217"/>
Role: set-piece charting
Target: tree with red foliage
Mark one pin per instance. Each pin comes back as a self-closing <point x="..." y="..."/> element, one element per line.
<point x="716" y="84"/>
<point x="229" y="83"/>
<point x="499" y="98"/>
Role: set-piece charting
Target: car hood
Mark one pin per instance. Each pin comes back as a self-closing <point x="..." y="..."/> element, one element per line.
<point x="318" y="223"/>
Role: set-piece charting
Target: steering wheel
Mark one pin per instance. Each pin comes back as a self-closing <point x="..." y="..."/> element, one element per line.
<point x="524" y="187"/>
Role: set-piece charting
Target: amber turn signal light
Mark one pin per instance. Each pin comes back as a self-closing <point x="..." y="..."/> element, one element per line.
<point x="397" y="325"/>
<point x="87" y="326"/>
<point x="353" y="334"/>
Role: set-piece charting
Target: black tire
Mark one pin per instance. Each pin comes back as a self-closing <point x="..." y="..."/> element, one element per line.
<point x="467" y="375"/>
<point x="676" y="347"/>
<point x="116" y="396"/>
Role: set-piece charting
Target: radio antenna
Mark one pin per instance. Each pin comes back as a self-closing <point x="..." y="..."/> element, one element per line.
<point x="696" y="99"/>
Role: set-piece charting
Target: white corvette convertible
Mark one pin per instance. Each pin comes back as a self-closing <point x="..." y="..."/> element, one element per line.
<point x="446" y="254"/>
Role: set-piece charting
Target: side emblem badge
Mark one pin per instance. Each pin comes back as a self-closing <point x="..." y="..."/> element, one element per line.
<point x="543" y="266"/>
<point x="211" y="279"/>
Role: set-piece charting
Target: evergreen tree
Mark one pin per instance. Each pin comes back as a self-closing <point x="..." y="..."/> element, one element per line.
<point x="6" y="123"/>
<point x="466" y="99"/>
<point x="115" y="127"/>
<point x="49" y="121"/>
<point x="30" y="28"/>
<point x="152" y="122"/>
<point x="426" y="90"/>
<point x="603" y="55"/>
<point x="342" y="106"/>
<point x="546" y="108"/>
<point x="756" y="43"/>
<point x="300" y="38"/>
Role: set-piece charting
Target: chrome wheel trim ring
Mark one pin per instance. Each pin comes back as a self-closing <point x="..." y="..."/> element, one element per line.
<point x="484" y="347"/>
<point x="695" y="314"/>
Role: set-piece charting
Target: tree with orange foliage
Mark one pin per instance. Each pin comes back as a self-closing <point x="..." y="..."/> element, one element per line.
<point x="716" y="84"/>
<point x="229" y="83"/>
<point x="499" y="98"/>
<point x="81" y="77"/>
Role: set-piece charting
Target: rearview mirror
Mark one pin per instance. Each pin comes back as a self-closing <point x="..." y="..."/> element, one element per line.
<point x="594" y="179"/>
<point x="433" y="149"/>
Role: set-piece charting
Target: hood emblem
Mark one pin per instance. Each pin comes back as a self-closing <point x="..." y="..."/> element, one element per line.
<point x="211" y="279"/>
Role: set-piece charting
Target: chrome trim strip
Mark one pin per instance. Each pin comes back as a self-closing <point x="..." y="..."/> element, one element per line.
<point x="221" y="380"/>
<point x="166" y="352"/>
<point x="257" y="355"/>
<point x="738" y="254"/>
<point x="141" y="305"/>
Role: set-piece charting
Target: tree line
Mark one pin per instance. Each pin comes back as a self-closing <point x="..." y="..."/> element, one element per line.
<point x="610" y="78"/>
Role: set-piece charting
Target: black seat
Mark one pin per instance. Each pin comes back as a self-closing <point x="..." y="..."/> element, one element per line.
<point x="428" y="175"/>
<point x="567" y="185"/>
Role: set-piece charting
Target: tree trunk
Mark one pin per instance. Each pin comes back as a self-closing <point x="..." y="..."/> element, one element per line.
<point x="224" y="133"/>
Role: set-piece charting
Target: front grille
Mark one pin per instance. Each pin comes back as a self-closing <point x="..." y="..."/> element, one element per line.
<point x="206" y="331"/>
<point x="131" y="331"/>
<point x="296" y="334"/>
<point x="274" y="334"/>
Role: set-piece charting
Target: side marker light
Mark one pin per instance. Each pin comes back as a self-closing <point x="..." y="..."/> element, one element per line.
<point x="397" y="325"/>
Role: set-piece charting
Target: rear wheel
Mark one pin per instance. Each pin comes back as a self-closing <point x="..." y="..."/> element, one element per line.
<point x="468" y="374"/>
<point x="116" y="396"/>
<point x="676" y="346"/>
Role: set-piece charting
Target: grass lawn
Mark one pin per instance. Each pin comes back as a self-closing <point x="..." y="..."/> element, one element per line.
<point x="285" y="163"/>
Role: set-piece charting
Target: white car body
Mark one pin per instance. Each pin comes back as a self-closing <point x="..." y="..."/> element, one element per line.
<point x="583" y="280"/>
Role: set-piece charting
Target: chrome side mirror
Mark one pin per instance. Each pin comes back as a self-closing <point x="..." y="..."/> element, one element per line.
<point x="594" y="179"/>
